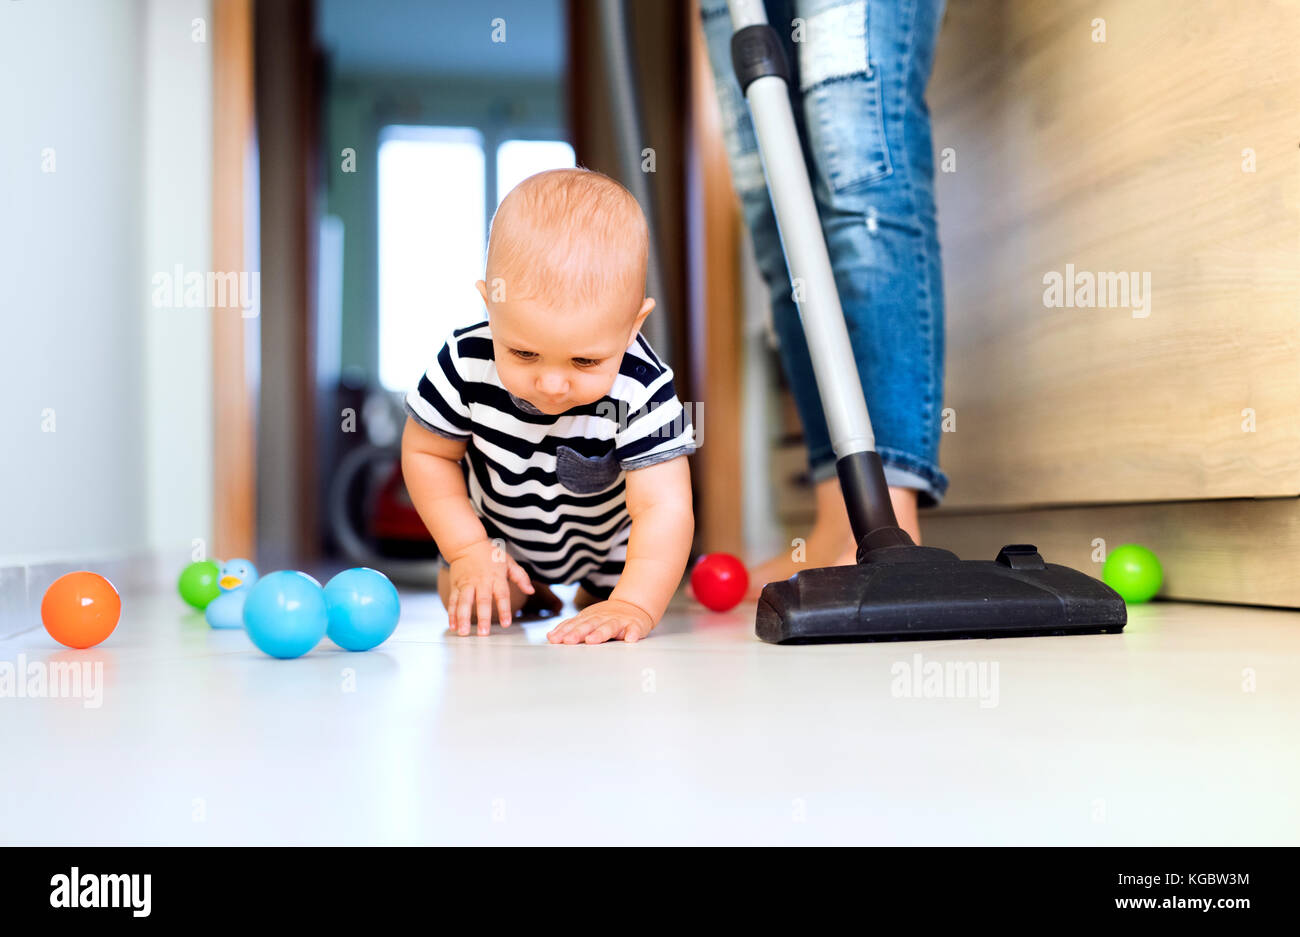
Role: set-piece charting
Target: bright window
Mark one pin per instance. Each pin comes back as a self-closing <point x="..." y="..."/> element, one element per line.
<point x="432" y="233"/>
<point x="519" y="159"/>
<point x="433" y="223"/>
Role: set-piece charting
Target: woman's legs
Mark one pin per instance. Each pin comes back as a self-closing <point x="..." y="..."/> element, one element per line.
<point x="858" y="84"/>
<point x="863" y="69"/>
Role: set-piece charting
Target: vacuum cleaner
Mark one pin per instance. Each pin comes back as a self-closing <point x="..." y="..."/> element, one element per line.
<point x="897" y="591"/>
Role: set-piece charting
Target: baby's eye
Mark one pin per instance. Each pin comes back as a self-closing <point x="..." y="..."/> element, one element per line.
<point x="525" y="355"/>
<point x="586" y="362"/>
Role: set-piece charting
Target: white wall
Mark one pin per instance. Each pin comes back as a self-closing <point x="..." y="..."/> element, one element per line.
<point x="122" y="96"/>
<point x="178" y="230"/>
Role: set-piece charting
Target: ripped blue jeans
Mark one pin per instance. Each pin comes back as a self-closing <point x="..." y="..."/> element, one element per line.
<point x="859" y="72"/>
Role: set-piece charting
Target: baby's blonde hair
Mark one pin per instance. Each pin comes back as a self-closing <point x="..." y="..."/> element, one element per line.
<point x="568" y="237"/>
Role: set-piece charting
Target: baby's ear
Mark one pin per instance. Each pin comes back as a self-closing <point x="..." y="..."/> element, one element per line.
<point x="646" y="308"/>
<point x="481" y="286"/>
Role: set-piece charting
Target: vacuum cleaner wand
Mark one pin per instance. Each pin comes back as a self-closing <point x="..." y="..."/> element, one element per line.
<point x="897" y="590"/>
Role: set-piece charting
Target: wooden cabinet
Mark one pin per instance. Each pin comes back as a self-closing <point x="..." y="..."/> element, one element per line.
<point x="1150" y="144"/>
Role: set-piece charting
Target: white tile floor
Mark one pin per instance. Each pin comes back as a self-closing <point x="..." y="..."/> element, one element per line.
<point x="700" y="735"/>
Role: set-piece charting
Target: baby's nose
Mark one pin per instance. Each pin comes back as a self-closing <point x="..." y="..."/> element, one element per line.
<point x="553" y="384"/>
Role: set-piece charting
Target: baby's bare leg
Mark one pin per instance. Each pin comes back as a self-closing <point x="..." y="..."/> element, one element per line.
<point x="583" y="598"/>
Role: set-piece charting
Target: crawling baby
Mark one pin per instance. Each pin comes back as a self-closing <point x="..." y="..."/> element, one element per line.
<point x="546" y="445"/>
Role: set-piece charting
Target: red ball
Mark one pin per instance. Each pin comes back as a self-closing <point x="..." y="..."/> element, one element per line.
<point x="719" y="581"/>
<point x="80" y="609"/>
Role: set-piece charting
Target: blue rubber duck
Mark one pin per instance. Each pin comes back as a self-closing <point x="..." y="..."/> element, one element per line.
<point x="227" y="609"/>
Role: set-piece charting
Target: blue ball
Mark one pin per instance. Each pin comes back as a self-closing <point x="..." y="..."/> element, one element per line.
<point x="363" y="608"/>
<point x="284" y="614"/>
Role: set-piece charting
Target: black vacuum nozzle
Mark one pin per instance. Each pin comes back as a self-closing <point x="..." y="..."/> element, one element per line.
<point x="902" y="592"/>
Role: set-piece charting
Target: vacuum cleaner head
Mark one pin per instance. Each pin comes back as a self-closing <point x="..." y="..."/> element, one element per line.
<point x="902" y="592"/>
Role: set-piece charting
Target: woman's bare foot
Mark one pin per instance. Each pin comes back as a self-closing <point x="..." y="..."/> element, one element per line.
<point x="820" y="547"/>
<point x="904" y="501"/>
<point x="831" y="542"/>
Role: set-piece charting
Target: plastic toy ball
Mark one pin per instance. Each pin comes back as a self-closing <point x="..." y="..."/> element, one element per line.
<point x="198" y="583"/>
<point x="1134" y="572"/>
<point x="80" y="609"/>
<point x="284" y="614"/>
<point x="719" y="581"/>
<point x="363" y="609"/>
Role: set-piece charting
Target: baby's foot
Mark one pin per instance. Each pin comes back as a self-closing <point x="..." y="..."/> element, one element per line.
<point x="543" y="603"/>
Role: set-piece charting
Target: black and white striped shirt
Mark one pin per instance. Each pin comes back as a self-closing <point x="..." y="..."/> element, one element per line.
<point x="552" y="487"/>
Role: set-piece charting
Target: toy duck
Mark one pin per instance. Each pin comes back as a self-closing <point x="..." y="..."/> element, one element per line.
<point x="227" y="609"/>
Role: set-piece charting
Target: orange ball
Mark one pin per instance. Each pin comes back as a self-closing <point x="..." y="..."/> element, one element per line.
<point x="80" y="609"/>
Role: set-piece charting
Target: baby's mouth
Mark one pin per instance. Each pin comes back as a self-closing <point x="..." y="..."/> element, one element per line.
<point x="526" y="405"/>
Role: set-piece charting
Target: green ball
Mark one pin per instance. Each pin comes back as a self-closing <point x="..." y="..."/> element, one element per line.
<point x="198" y="583"/>
<point x="1134" y="572"/>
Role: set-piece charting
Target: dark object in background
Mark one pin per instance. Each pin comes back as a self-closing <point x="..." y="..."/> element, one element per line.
<point x="369" y="514"/>
<point x="395" y="525"/>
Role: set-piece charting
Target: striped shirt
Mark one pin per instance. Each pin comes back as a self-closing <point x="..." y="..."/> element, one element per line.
<point x="552" y="487"/>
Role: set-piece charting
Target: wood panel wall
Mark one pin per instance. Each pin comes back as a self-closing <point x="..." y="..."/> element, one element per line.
<point x="1155" y="137"/>
<point x="234" y="490"/>
<point x="1169" y="149"/>
<point x="716" y="343"/>
<point x="1233" y="551"/>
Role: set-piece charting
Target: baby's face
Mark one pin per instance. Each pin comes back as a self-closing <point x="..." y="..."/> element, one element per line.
<point x="560" y="359"/>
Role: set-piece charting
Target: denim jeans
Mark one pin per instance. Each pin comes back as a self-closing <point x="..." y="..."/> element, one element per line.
<point x="859" y="73"/>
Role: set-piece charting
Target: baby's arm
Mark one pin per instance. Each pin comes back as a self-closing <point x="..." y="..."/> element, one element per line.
<point x="659" y="545"/>
<point x="479" y="573"/>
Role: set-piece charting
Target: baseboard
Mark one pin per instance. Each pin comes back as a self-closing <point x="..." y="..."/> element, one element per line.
<point x="1241" y="551"/>
<point x="22" y="586"/>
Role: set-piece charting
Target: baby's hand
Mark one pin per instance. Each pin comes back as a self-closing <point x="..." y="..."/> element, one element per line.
<point x="479" y="576"/>
<point x="603" y="621"/>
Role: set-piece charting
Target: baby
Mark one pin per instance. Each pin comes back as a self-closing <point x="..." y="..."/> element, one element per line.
<point x="569" y="429"/>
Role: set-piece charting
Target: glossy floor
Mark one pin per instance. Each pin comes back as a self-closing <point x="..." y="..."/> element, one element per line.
<point x="1185" y="729"/>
